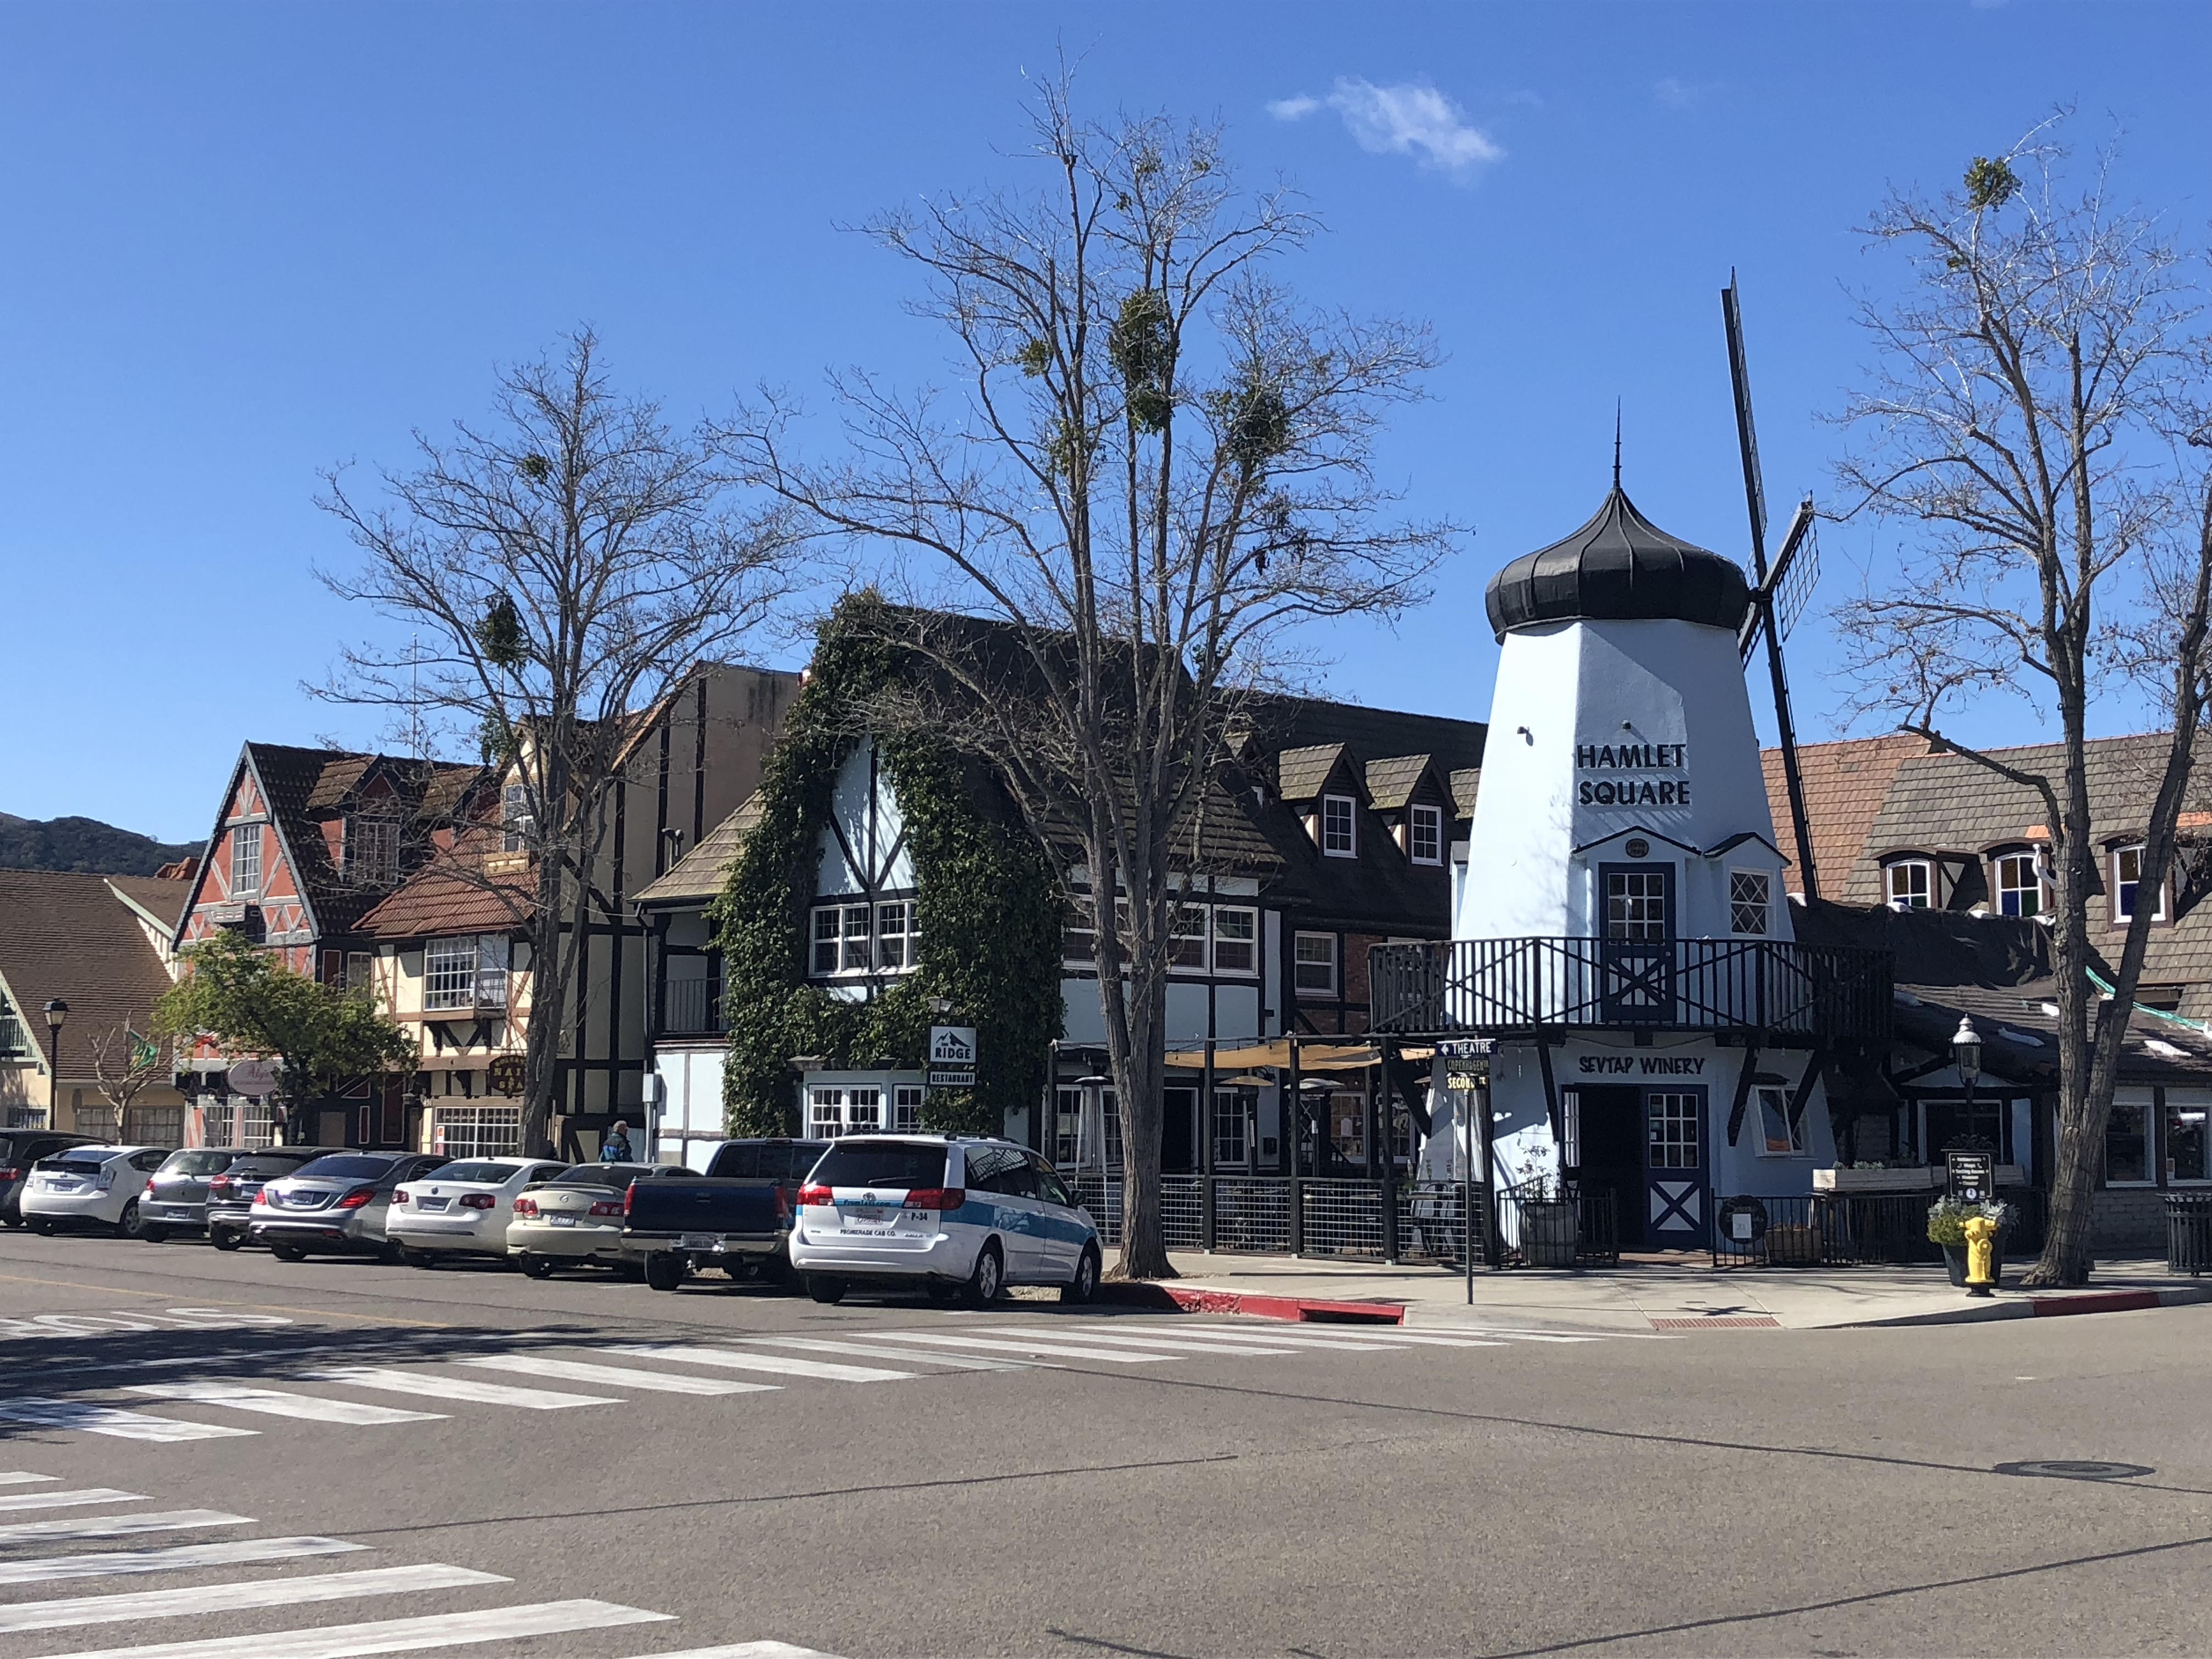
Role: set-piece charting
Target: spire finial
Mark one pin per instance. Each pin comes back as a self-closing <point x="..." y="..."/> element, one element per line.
<point x="1616" y="443"/>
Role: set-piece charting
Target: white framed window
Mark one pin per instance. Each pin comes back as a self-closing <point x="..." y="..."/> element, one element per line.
<point x="468" y="972"/>
<point x="1426" y="835"/>
<point x="1339" y="831"/>
<point x="2127" y="883"/>
<point x="360" y="972"/>
<point x="1236" y="939"/>
<point x="1777" y="1136"/>
<point x="1909" y="884"/>
<point x="825" y="1114"/>
<point x="906" y="1108"/>
<point x="863" y="1111"/>
<point x="1187" y="948"/>
<point x="842" y="938"/>
<point x="1751" y="902"/>
<point x="1066" y="1126"/>
<point x="1313" y="962"/>
<point x="257" y="1126"/>
<point x="491" y="970"/>
<point x="2019" y="885"/>
<point x="477" y="1131"/>
<point x="1231" y="1114"/>
<point x="896" y="935"/>
<point x="2128" y="1139"/>
<point x="518" y="824"/>
<point x="246" y="860"/>
<point x="372" y="851"/>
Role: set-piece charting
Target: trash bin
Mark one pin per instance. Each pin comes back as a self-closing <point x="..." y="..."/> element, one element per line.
<point x="2188" y="1232"/>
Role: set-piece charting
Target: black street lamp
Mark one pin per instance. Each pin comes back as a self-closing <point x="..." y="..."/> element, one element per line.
<point x="1966" y="1055"/>
<point x="57" y="1011"/>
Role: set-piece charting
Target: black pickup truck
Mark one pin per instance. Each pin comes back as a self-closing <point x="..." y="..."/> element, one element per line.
<point x="737" y="1217"/>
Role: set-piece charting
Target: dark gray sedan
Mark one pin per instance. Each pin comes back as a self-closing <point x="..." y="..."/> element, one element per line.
<point x="336" y="1205"/>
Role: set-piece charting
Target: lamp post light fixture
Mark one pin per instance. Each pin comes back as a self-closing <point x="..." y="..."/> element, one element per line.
<point x="1966" y="1055"/>
<point x="57" y="1011"/>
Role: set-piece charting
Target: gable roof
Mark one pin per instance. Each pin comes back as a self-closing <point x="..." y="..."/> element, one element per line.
<point x="1282" y="721"/>
<point x="1846" y="785"/>
<point x="1391" y="781"/>
<point x="699" y="875"/>
<point x="1300" y="774"/>
<point x="437" y="900"/>
<point x="1465" y="784"/>
<point x="69" y="936"/>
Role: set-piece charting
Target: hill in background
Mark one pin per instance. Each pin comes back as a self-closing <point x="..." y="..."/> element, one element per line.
<point x="84" y="846"/>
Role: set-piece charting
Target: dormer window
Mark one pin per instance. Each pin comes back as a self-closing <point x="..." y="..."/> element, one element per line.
<point x="1426" y="835"/>
<point x="371" y="850"/>
<point x="1340" y="835"/>
<point x="518" y="825"/>
<point x="246" y="860"/>
<point x="2020" y="888"/>
<point x="1750" y="902"/>
<point x="2127" y="882"/>
<point x="1909" y="884"/>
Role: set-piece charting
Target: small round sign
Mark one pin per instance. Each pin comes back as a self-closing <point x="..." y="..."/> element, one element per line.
<point x="254" y="1078"/>
<point x="2076" y="1469"/>
<point x="1639" y="848"/>
<point x="507" y="1075"/>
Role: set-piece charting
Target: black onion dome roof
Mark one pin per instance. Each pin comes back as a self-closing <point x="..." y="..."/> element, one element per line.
<point x="1620" y="566"/>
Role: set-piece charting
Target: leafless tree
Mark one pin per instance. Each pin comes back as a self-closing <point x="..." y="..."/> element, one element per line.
<point x="1158" y="463"/>
<point x="124" y="1065"/>
<point x="2039" y="412"/>
<point x="561" y="571"/>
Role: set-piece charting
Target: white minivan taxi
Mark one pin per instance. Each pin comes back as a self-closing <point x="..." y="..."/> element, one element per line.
<point x="948" y="1214"/>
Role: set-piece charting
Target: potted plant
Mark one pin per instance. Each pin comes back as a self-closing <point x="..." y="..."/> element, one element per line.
<point x="1551" y="1223"/>
<point x="1947" y="1225"/>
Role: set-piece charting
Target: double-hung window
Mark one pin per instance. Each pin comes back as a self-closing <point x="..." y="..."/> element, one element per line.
<point x="906" y="1108"/>
<point x="1236" y="939"/>
<point x="246" y="860"/>
<point x="825" y="1114"/>
<point x="895" y="935"/>
<point x="1314" y="962"/>
<point x="372" y="851"/>
<point x="449" y="975"/>
<point x="1339" y="835"/>
<point x="840" y="939"/>
<point x="1750" y="902"/>
<point x="1426" y="835"/>
<point x="2127" y="883"/>
<point x="2020" y="888"/>
<point x="1187" y="948"/>
<point x="1910" y="884"/>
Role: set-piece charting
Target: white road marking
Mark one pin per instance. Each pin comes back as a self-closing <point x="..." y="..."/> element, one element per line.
<point x="24" y="1478"/>
<point x="73" y="1611"/>
<point x="1059" y="1350"/>
<point x="62" y="1500"/>
<point x="821" y="1370"/>
<point x="397" y="1635"/>
<point x="457" y="1387"/>
<point x="868" y="1351"/>
<point x="744" y="1650"/>
<point x="275" y="1402"/>
<point x="1174" y="1343"/>
<point x="109" y="1420"/>
<point x="1297" y="1337"/>
<point x="612" y="1376"/>
<point x="181" y="1557"/>
<point x="70" y="1530"/>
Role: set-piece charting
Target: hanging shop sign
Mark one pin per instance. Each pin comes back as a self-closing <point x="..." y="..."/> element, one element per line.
<point x="254" y="1078"/>
<point x="506" y="1075"/>
<point x="951" y="1056"/>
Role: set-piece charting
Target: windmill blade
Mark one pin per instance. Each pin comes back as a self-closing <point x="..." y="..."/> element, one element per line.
<point x="1788" y="586"/>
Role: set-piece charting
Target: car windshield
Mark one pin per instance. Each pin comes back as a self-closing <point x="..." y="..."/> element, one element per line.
<point x="765" y="1160"/>
<point x="895" y="1163"/>
<point x="70" y="1166"/>
<point x="617" y="1175"/>
<point x="493" y="1173"/>
<point x="346" y="1169"/>
<point x="198" y="1164"/>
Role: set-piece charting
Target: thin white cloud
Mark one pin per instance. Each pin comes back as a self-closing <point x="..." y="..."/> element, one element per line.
<point x="1408" y="118"/>
<point x="1677" y="94"/>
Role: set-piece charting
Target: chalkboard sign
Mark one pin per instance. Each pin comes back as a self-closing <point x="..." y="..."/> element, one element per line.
<point x="1972" y="1176"/>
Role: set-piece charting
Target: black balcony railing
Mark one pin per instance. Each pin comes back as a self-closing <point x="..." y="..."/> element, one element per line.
<point x="693" y="1008"/>
<point x="1772" y="990"/>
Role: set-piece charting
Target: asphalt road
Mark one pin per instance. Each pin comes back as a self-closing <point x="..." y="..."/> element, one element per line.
<point x="1748" y="1491"/>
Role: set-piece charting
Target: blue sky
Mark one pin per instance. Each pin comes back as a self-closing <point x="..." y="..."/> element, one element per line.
<point x="247" y="241"/>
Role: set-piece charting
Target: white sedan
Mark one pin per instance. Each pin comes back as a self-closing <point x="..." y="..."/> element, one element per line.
<point x="99" y="1185"/>
<point x="461" y="1208"/>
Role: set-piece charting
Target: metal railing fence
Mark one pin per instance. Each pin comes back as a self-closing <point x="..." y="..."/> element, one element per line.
<point x="2188" y="1233"/>
<point x="1847" y="1229"/>
<point x="1556" y="1225"/>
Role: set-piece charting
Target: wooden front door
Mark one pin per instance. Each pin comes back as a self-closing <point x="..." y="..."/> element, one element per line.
<point x="1609" y="1148"/>
<point x="1674" y="1169"/>
<point x="1638" y="951"/>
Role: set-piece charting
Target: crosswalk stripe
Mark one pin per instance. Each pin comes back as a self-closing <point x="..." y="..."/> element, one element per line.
<point x="1297" y="1337"/>
<point x="1535" y="1336"/>
<point x="871" y="1350"/>
<point x="276" y="1402"/>
<point x="72" y="1611"/>
<point x="72" y="1529"/>
<point x="442" y="1630"/>
<point x="744" y="1650"/>
<point x="62" y="1500"/>
<point x="110" y="1421"/>
<point x="775" y="1363"/>
<point x="24" y="1478"/>
<point x="1300" y="1340"/>
<point x="609" y="1377"/>
<point x="1174" y="1343"/>
<point x="181" y="1557"/>
<point x="1057" y="1349"/>
<point x="395" y="1379"/>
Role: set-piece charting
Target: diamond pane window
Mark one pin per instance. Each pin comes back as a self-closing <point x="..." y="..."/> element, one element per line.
<point x="1750" y="902"/>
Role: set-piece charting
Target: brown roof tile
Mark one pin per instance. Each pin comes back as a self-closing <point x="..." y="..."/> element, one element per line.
<point x="1845" y="786"/>
<point x="700" y="873"/>
<point x="1391" y="782"/>
<point x="1300" y="773"/>
<point x="440" y="901"/>
<point x="68" y="936"/>
<point x="1465" y="783"/>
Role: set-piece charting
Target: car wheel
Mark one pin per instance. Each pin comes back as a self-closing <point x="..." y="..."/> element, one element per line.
<point x="129" y="1225"/>
<point x="225" y="1238"/>
<point x="824" y="1288"/>
<point x="988" y="1278"/>
<point x="42" y="1226"/>
<point x="941" y="1292"/>
<point x="12" y="1218"/>
<point x="1084" y="1285"/>
<point x="286" y="1252"/>
<point x="154" y="1235"/>
<point x="664" y="1270"/>
<point x="425" y="1260"/>
<point x="538" y="1267"/>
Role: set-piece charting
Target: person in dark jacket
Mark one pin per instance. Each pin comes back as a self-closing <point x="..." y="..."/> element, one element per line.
<point x="615" y="1149"/>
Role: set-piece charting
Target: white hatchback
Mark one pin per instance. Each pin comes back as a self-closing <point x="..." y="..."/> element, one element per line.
<point x="461" y="1208"/>
<point x="948" y="1214"/>
<point x="99" y="1185"/>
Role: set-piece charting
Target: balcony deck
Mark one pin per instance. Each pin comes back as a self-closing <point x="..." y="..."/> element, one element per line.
<point x="1772" y="991"/>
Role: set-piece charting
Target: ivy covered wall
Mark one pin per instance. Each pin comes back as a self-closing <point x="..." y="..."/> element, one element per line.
<point x="988" y="907"/>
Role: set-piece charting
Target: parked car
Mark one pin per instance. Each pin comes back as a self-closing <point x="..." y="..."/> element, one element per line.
<point x="737" y="1217"/>
<point x="231" y="1193"/>
<point x="19" y="1149"/>
<point x="950" y="1215"/>
<point x="176" y="1200"/>
<point x="97" y="1186"/>
<point x="576" y="1218"/>
<point x="336" y="1204"/>
<point x="461" y="1208"/>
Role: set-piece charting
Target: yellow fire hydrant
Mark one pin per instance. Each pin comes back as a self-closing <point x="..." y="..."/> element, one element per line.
<point x="1981" y="1252"/>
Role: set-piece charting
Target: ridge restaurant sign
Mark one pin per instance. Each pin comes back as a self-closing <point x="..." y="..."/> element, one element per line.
<point x="951" y="1056"/>
<point x="1620" y="766"/>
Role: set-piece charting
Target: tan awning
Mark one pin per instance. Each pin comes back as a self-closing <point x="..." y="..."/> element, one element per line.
<point x="1312" y="1056"/>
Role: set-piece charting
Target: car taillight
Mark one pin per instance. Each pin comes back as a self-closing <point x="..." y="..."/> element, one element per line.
<point x="11" y="1174"/>
<point x="628" y="1193"/>
<point x="356" y="1198"/>
<point x="604" y="1207"/>
<point x="936" y="1198"/>
<point x="525" y="1207"/>
<point x="104" y="1179"/>
<point x="219" y="1182"/>
<point x="814" y="1193"/>
<point x="477" y="1200"/>
<point x="782" y="1203"/>
<point x="399" y="1196"/>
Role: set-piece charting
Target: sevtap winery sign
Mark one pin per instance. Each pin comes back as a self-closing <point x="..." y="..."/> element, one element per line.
<point x="1620" y="774"/>
<point x="951" y="1056"/>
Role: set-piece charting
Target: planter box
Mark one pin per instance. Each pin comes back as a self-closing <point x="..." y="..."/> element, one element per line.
<point x="1549" y="1234"/>
<point x="1793" y="1247"/>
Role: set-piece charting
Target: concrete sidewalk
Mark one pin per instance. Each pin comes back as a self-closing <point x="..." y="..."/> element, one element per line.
<point x="1647" y="1294"/>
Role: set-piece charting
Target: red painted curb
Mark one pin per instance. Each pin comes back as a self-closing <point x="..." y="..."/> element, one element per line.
<point x="2054" y="1306"/>
<point x="1178" y="1299"/>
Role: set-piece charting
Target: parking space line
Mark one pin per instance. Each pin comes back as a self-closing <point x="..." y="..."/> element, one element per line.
<point x="397" y="1635"/>
<point x="276" y="1402"/>
<point x="71" y="1612"/>
<point x="69" y="1530"/>
<point x="397" y="1380"/>
<point x="611" y="1377"/>
<point x="774" y="1364"/>
<point x="180" y="1557"/>
<point x="1060" y="1349"/>
<point x="111" y="1420"/>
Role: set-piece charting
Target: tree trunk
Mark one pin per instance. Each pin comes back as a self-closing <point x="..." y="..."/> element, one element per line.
<point x="1139" y="1085"/>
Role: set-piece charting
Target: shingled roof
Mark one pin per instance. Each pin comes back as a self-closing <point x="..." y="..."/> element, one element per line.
<point x="1283" y="722"/>
<point x="1300" y="773"/>
<point x="700" y="874"/>
<point x="1391" y="781"/>
<point x="69" y="936"/>
<point x="1846" y="785"/>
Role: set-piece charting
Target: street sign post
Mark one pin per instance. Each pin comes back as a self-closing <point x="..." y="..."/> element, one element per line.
<point x="1972" y="1176"/>
<point x="951" y="1056"/>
